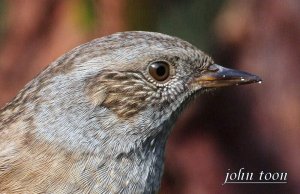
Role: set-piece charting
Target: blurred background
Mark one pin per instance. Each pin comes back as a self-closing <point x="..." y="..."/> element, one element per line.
<point x="256" y="127"/>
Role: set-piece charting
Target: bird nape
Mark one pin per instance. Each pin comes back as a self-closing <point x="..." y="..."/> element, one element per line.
<point x="98" y="118"/>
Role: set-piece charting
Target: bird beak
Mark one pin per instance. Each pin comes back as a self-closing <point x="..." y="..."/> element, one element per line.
<point x="218" y="76"/>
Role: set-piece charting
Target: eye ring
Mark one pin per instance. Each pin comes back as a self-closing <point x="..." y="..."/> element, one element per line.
<point x="159" y="70"/>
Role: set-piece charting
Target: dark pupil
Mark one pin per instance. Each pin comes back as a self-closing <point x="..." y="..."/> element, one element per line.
<point x="160" y="70"/>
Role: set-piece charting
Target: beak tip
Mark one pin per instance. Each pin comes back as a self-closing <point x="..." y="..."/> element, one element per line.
<point x="250" y="80"/>
<point x="255" y="79"/>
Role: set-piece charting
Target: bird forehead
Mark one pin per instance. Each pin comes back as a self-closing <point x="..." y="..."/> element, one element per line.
<point x="139" y="44"/>
<point x="131" y="51"/>
<point x="138" y="58"/>
<point x="145" y="39"/>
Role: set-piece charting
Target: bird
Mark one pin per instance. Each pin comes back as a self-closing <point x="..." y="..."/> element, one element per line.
<point x="97" y="119"/>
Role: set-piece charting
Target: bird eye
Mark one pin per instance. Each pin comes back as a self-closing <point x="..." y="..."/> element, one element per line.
<point x="160" y="70"/>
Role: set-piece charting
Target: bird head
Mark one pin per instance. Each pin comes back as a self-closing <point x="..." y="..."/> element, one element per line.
<point x="98" y="117"/>
<point x="125" y="88"/>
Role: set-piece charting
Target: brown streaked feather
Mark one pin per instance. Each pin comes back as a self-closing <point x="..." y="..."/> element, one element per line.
<point x="121" y="92"/>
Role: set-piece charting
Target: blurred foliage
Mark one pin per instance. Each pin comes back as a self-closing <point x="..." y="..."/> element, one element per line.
<point x="191" y="20"/>
<point x="87" y="15"/>
<point x="2" y="19"/>
<point x="141" y="15"/>
<point x="188" y="19"/>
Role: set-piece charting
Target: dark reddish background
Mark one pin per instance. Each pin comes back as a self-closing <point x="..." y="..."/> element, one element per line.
<point x="256" y="127"/>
